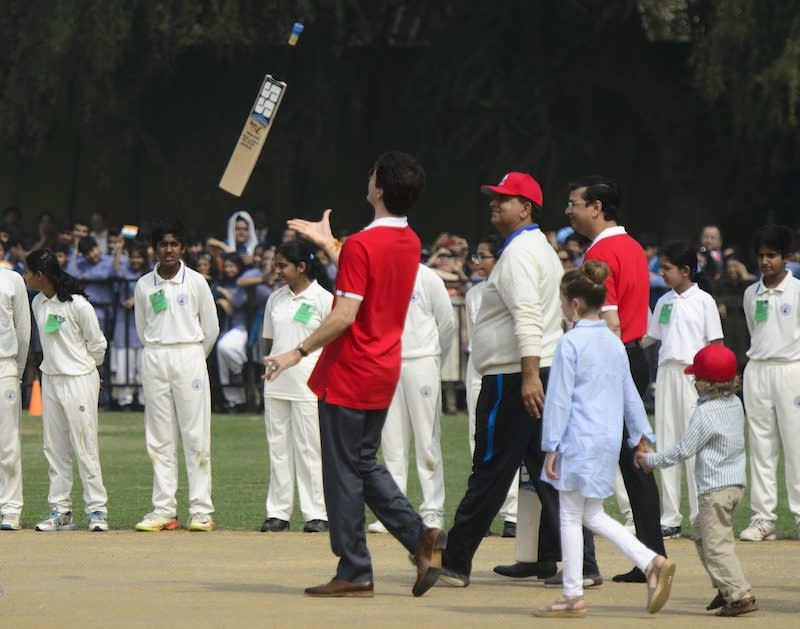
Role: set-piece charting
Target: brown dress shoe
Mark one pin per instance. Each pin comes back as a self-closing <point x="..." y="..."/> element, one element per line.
<point x="340" y="587"/>
<point x="428" y="558"/>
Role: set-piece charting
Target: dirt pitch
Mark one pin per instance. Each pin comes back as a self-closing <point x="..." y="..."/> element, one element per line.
<point x="235" y="579"/>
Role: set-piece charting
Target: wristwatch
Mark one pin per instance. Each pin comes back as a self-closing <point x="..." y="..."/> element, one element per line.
<point x="302" y="350"/>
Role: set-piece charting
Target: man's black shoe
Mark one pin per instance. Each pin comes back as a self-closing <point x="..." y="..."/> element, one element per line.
<point x="524" y="569"/>
<point x="509" y="529"/>
<point x="274" y="525"/>
<point x="634" y="576"/>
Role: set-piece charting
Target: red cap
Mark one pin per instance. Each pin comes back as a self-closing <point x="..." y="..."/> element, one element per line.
<point x="714" y="362"/>
<point x="517" y="185"/>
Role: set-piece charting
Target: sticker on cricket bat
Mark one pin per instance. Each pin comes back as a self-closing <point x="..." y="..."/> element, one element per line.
<point x="251" y="141"/>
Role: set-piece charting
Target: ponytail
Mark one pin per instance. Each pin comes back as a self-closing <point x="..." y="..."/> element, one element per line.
<point x="300" y="250"/>
<point x="45" y="261"/>
<point x="681" y="253"/>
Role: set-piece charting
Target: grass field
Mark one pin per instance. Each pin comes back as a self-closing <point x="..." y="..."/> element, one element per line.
<point x="241" y="474"/>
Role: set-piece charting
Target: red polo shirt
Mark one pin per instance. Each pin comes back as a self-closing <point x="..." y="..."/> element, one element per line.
<point x="628" y="282"/>
<point x="360" y="369"/>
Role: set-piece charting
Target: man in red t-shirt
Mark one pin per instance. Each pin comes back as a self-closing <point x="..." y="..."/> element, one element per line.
<point x="593" y="210"/>
<point x="356" y="376"/>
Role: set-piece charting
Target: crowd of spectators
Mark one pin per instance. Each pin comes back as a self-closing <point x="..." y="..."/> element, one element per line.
<point x="239" y="268"/>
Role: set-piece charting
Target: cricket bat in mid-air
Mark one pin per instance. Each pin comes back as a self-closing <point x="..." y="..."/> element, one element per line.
<point x="256" y="129"/>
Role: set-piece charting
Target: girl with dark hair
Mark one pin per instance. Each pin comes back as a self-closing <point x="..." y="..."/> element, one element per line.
<point x="231" y="299"/>
<point x="484" y="258"/>
<point x="293" y="312"/>
<point x="589" y="392"/>
<point x="685" y="320"/>
<point x="74" y="348"/>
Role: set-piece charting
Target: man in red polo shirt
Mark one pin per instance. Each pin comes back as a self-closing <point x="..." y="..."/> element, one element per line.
<point x="593" y="210"/>
<point x="356" y="376"/>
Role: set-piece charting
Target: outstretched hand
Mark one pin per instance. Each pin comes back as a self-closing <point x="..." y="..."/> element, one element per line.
<point x="317" y="232"/>
<point x="276" y="364"/>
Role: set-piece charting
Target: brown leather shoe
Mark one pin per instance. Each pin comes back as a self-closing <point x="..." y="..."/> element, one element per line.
<point x="428" y="557"/>
<point x="340" y="587"/>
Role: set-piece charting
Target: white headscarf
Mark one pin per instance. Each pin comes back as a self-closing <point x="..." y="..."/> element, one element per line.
<point x="252" y="239"/>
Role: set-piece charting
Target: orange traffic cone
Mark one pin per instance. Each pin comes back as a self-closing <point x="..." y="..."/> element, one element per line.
<point x="35" y="409"/>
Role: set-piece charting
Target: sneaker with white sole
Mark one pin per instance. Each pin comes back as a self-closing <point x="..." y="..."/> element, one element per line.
<point x="758" y="531"/>
<point x="433" y="521"/>
<point x="96" y="521"/>
<point x="201" y="522"/>
<point x="376" y="527"/>
<point x="10" y="522"/>
<point x="153" y="522"/>
<point x="57" y="522"/>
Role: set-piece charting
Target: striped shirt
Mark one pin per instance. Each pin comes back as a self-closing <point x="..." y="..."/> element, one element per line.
<point x="716" y="436"/>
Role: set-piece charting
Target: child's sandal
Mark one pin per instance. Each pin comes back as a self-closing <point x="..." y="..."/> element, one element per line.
<point x="659" y="584"/>
<point x="563" y="607"/>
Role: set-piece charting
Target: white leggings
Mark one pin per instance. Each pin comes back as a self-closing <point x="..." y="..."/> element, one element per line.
<point x="577" y="511"/>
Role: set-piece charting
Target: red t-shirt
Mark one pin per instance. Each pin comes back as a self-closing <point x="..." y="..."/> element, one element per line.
<point x="360" y="369"/>
<point x="628" y="283"/>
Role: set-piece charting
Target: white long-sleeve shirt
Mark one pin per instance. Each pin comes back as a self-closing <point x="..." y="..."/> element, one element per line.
<point x="72" y="343"/>
<point x="520" y="314"/>
<point x="430" y="325"/>
<point x="190" y="315"/>
<point x="15" y="318"/>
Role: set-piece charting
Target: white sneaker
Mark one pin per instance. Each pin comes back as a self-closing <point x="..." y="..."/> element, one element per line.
<point x="758" y="531"/>
<point x="153" y="522"/>
<point x="376" y="527"/>
<point x="97" y="521"/>
<point x="10" y="522"/>
<point x="57" y="522"/>
<point x="201" y="522"/>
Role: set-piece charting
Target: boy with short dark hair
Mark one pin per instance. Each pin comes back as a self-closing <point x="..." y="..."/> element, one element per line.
<point x="772" y="381"/>
<point x="176" y="319"/>
<point x="715" y="437"/>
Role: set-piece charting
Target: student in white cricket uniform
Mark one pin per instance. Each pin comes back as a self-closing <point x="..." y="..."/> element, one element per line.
<point x="417" y="402"/>
<point x="772" y="382"/>
<point x="176" y="319"/>
<point x="15" y="335"/>
<point x="293" y="312"/>
<point x="685" y="320"/>
<point x="73" y="348"/>
<point x="485" y="257"/>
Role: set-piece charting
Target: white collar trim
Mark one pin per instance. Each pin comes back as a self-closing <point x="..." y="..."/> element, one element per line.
<point x="389" y="221"/>
<point x="606" y="233"/>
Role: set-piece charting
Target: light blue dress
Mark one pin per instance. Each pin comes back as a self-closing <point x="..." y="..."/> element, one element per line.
<point x="589" y="392"/>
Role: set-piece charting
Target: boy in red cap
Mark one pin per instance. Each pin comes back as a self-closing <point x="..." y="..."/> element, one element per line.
<point x="715" y="436"/>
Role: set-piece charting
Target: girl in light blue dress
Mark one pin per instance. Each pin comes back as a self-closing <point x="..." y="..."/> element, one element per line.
<point x="589" y="393"/>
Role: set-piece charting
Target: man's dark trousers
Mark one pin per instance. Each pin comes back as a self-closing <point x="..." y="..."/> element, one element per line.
<point x="642" y="488"/>
<point x="505" y="436"/>
<point x="351" y="477"/>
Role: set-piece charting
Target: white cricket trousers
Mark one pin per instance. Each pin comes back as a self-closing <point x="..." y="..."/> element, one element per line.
<point x="509" y="508"/>
<point x="294" y="452"/>
<point x="676" y="399"/>
<point x="577" y="511"/>
<point x="69" y="426"/>
<point x="772" y="401"/>
<point x="417" y="406"/>
<point x="231" y="358"/>
<point x="128" y="369"/>
<point x="177" y="395"/>
<point x="10" y="449"/>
